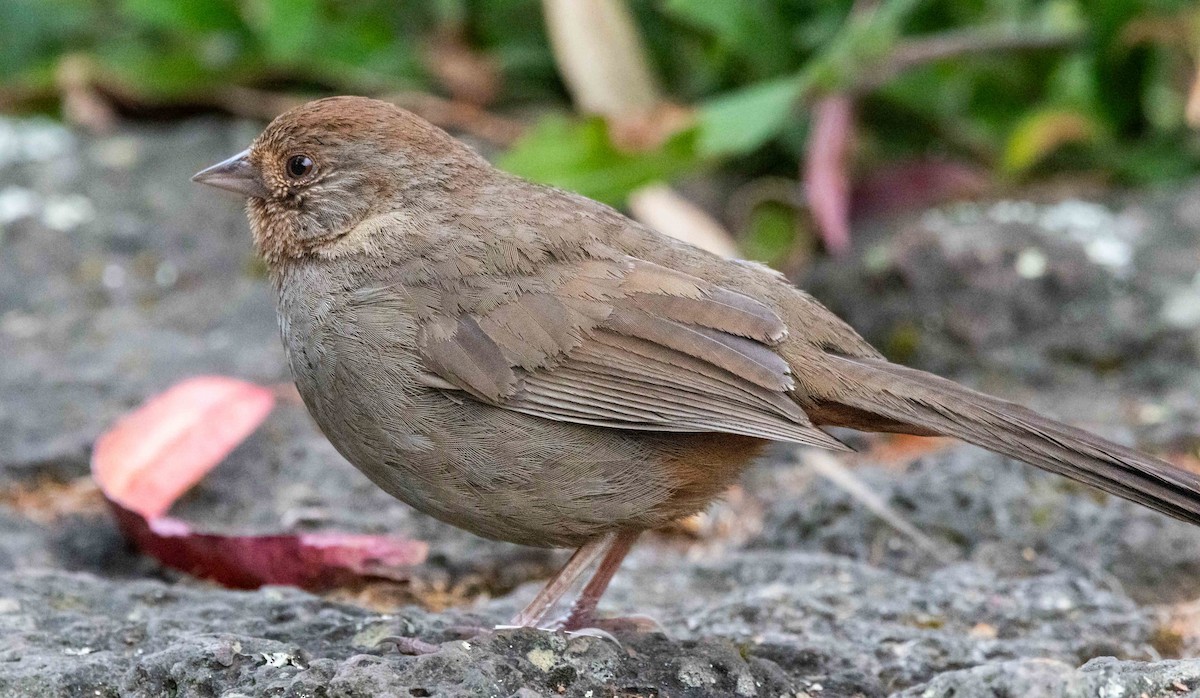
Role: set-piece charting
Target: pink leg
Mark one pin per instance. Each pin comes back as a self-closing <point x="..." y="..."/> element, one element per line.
<point x="614" y="547"/>
<point x="583" y="611"/>
<point x="533" y="614"/>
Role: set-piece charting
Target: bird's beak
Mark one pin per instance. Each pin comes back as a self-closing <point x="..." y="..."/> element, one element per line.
<point x="236" y="174"/>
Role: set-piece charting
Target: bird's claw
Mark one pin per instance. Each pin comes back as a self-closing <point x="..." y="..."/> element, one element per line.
<point x="594" y="632"/>
<point x="410" y="645"/>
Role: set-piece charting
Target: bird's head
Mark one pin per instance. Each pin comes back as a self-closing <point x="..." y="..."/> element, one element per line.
<point x="318" y="171"/>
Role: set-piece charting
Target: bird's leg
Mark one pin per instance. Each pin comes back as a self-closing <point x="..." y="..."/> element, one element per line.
<point x="583" y="611"/>
<point x="582" y="617"/>
<point x="533" y="614"/>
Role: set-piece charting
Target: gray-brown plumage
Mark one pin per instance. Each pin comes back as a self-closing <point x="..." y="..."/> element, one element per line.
<point x="533" y="366"/>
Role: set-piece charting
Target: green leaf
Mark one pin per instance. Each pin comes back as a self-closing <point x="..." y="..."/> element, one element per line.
<point x="752" y="27"/>
<point x="34" y="33"/>
<point x="740" y="122"/>
<point x="725" y="19"/>
<point x="1043" y="132"/>
<point x="152" y="72"/>
<point x="771" y="234"/>
<point x="183" y="15"/>
<point x="288" y="29"/>
<point x="1153" y="160"/>
<point x="579" y="156"/>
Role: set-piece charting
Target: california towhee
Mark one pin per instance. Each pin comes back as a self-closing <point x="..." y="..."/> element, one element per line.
<point x="533" y="366"/>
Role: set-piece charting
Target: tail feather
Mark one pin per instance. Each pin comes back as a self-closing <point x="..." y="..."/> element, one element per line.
<point x="876" y="395"/>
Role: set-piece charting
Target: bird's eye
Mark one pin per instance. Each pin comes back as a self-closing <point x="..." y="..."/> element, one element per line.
<point x="299" y="166"/>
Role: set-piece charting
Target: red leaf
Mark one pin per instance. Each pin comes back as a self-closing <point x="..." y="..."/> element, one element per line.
<point x="916" y="184"/>
<point x="826" y="170"/>
<point x="156" y="453"/>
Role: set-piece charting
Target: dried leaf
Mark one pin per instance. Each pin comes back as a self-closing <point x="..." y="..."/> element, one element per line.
<point x="159" y="451"/>
<point x="468" y="75"/>
<point x="1192" y="110"/>
<point x="83" y="105"/>
<point x="898" y="451"/>
<point x="661" y="208"/>
<point x="46" y="501"/>
<point x="651" y="130"/>
<point x="600" y="57"/>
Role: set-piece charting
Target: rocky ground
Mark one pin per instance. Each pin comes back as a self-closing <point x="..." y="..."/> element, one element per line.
<point x="118" y="277"/>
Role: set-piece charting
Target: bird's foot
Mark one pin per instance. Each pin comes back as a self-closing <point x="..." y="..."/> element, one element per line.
<point x="575" y="625"/>
<point x="586" y="624"/>
<point x="413" y="646"/>
<point x="416" y="646"/>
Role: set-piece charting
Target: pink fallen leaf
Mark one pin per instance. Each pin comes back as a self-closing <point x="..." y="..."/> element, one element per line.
<point x="160" y="450"/>
<point x="826" y="170"/>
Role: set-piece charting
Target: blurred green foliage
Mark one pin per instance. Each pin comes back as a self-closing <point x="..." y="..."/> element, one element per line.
<point x="1110" y="98"/>
<point x="580" y="156"/>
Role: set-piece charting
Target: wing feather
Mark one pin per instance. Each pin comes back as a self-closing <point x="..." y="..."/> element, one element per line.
<point x="719" y="309"/>
<point x="471" y="359"/>
<point x="626" y="344"/>
<point x="744" y="358"/>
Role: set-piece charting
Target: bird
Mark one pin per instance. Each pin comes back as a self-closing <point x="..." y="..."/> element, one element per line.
<point x="535" y="367"/>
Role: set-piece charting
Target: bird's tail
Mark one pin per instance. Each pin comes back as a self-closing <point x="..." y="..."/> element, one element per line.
<point x="875" y="395"/>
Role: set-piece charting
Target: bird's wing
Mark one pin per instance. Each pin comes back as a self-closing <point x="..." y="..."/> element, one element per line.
<point x="626" y="344"/>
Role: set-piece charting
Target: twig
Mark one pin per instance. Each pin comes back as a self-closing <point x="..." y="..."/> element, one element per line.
<point x="829" y="468"/>
<point x="265" y="105"/>
<point x="952" y="44"/>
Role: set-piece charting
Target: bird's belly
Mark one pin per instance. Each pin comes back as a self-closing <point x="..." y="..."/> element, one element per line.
<point x="523" y="479"/>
